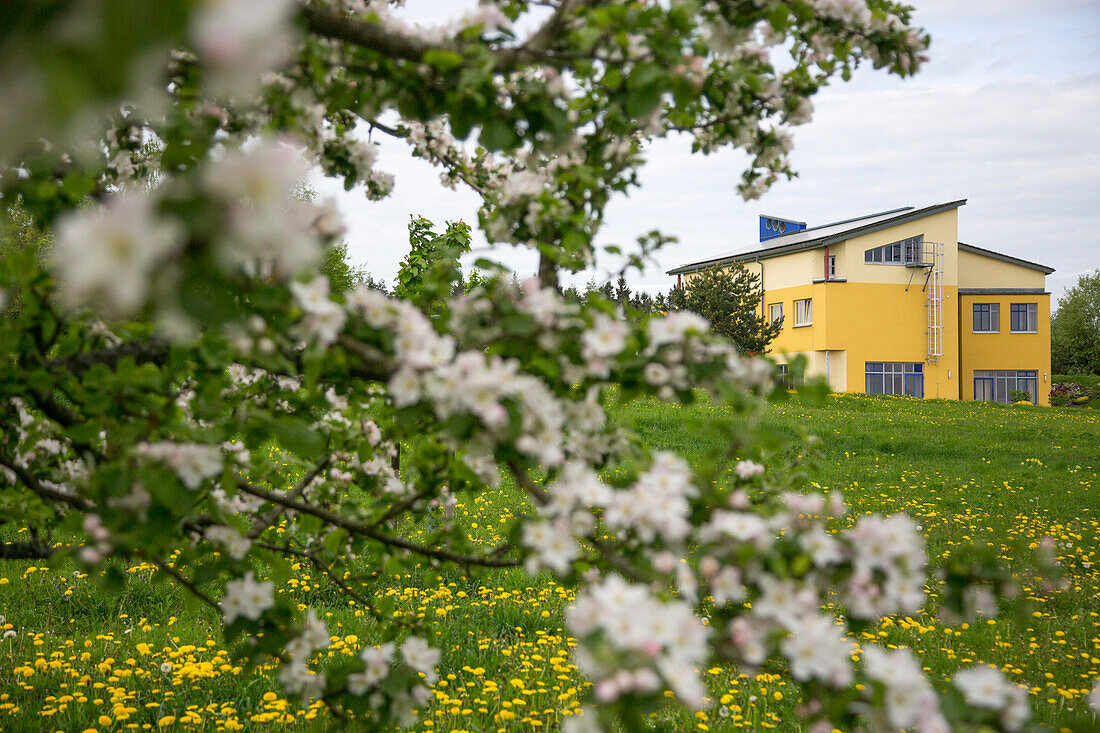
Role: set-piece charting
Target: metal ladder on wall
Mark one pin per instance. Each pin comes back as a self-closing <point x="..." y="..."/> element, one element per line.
<point x="933" y="288"/>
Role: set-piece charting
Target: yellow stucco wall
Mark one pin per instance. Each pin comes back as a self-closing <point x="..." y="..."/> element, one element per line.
<point x="1005" y="350"/>
<point x="862" y="322"/>
<point x="979" y="271"/>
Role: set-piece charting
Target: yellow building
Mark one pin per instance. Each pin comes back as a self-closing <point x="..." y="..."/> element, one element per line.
<point x="894" y="303"/>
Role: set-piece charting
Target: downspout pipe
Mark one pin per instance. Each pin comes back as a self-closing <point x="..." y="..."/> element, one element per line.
<point x="762" y="313"/>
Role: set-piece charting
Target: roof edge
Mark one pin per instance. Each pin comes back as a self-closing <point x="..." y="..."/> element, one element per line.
<point x="1003" y="291"/>
<point x="1005" y="258"/>
<point x="782" y="249"/>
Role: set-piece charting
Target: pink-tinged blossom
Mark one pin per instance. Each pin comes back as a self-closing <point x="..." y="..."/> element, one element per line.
<point x="239" y="40"/>
<point x="748" y="469"/>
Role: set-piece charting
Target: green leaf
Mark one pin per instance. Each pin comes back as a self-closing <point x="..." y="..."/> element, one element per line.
<point x="442" y="60"/>
<point x="498" y="134"/>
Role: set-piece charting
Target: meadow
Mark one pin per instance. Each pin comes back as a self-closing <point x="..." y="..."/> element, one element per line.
<point x="1007" y="476"/>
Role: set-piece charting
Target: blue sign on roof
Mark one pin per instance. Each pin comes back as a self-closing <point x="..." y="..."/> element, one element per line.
<point x="772" y="227"/>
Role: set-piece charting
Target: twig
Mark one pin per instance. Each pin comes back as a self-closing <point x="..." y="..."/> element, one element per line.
<point x="182" y="580"/>
<point x="273" y="516"/>
<point x="368" y="531"/>
<point x="45" y="492"/>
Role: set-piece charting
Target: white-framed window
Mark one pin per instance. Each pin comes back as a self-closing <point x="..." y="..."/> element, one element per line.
<point x="1024" y="318"/>
<point x="803" y="312"/>
<point x="775" y="313"/>
<point x="987" y="318"/>
<point x="832" y="266"/>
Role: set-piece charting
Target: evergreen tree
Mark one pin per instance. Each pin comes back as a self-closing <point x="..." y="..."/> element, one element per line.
<point x="729" y="297"/>
<point x="622" y="290"/>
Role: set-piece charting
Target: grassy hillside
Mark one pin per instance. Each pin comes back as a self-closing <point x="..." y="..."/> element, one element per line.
<point x="1005" y="475"/>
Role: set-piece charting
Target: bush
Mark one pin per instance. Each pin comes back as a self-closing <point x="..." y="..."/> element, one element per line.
<point x="1075" y="390"/>
<point x="1020" y="395"/>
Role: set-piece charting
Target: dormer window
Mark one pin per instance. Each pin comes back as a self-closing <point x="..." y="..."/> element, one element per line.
<point x="904" y="252"/>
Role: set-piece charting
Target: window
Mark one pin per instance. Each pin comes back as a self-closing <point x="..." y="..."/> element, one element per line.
<point x="775" y="313"/>
<point x="987" y="318"/>
<point x="1024" y="318"/>
<point x="784" y="377"/>
<point x="995" y="385"/>
<point x="906" y="252"/>
<point x="900" y="378"/>
<point x="803" y="312"/>
<point x="832" y="266"/>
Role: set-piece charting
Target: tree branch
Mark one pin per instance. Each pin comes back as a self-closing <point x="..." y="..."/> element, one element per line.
<point x="32" y="550"/>
<point x="45" y="492"/>
<point x="272" y="516"/>
<point x="368" y="531"/>
<point x="182" y="580"/>
<point x="369" y="35"/>
<point x="327" y="570"/>
<point x="147" y="350"/>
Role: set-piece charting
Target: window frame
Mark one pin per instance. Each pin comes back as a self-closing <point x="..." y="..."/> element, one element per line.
<point x="832" y="266"/>
<point x="771" y="317"/>
<point x="997" y="383"/>
<point x="992" y="314"/>
<point x="1030" y="315"/>
<point x="896" y="253"/>
<point x="896" y="378"/>
<point x="809" y="312"/>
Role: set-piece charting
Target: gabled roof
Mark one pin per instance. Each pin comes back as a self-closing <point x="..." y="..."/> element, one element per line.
<point x="822" y="235"/>
<point x="1005" y="258"/>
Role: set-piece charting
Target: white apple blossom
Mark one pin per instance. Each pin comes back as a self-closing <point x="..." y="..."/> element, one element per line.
<point x="984" y="686"/>
<point x="236" y="544"/>
<point x="247" y="597"/>
<point x="108" y="256"/>
<point x="607" y="337"/>
<point x="191" y="462"/>
<point x="420" y="656"/>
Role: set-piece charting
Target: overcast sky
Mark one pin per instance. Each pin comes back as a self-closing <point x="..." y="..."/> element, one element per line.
<point x="1006" y="115"/>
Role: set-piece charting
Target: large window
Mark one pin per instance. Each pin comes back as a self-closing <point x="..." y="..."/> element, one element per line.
<point x="905" y="252"/>
<point x="995" y="385"/>
<point x="987" y="317"/>
<point x="803" y="312"/>
<point x="1024" y="318"/>
<point x="894" y="377"/>
<point x="775" y="313"/>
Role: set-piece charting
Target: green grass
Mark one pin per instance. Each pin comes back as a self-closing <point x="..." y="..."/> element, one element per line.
<point x="1004" y="475"/>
